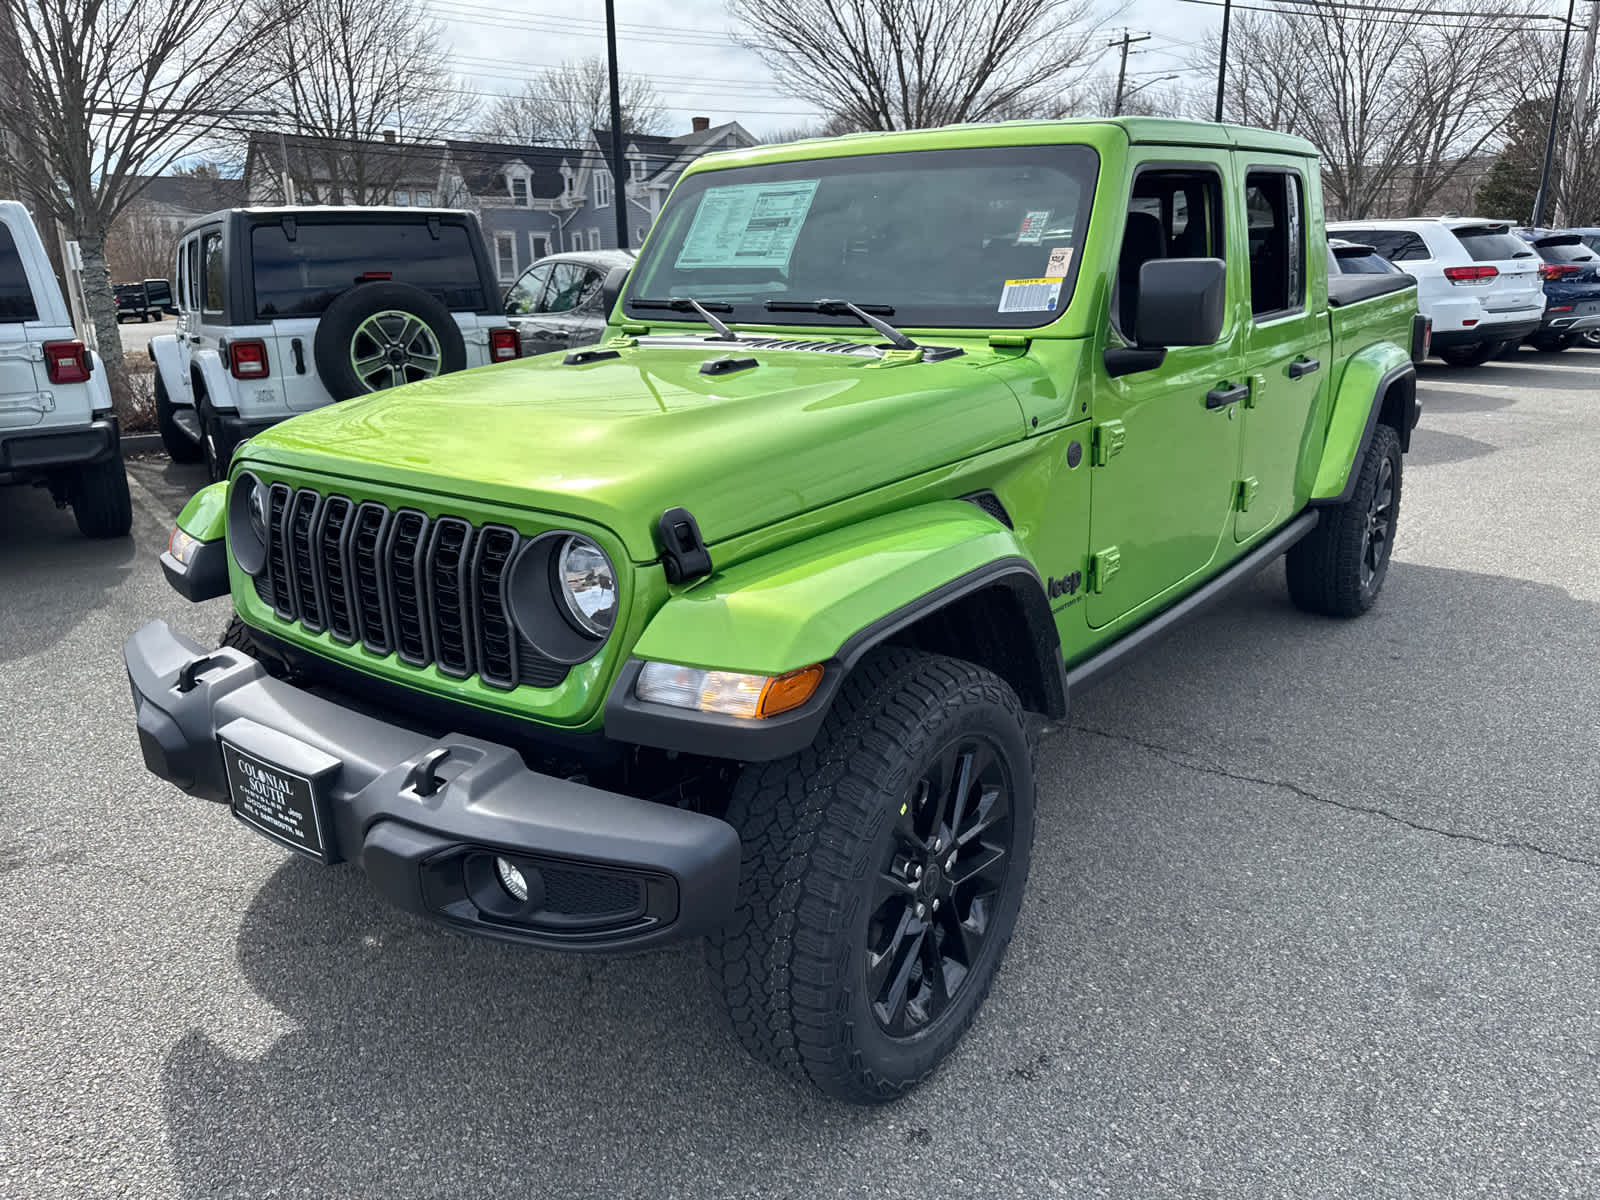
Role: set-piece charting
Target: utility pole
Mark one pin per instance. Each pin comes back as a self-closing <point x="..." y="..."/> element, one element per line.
<point x="1578" y="125"/>
<point x="1125" y="41"/>
<point x="1555" y="116"/>
<point x="619" y="194"/>
<point x="1222" y="56"/>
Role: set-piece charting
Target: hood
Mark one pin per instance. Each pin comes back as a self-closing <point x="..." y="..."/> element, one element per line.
<point x="619" y="440"/>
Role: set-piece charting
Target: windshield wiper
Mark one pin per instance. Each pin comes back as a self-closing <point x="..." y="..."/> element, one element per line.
<point x="837" y="308"/>
<point x="685" y="304"/>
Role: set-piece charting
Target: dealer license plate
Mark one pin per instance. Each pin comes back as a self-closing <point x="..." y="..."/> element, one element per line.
<point x="284" y="806"/>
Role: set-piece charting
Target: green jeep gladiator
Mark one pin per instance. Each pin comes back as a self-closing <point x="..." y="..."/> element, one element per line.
<point x="731" y="626"/>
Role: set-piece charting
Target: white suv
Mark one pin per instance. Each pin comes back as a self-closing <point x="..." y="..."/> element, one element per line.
<point x="1478" y="281"/>
<point x="282" y="310"/>
<point x="56" y="424"/>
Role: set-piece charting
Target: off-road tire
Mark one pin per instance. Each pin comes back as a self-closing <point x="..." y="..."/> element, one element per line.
<point x="1470" y="356"/>
<point x="236" y="635"/>
<point x="180" y="447"/>
<point x="100" y="501"/>
<point x="1325" y="568"/>
<point x="791" y="966"/>
<point x="330" y="349"/>
<point x="215" y="446"/>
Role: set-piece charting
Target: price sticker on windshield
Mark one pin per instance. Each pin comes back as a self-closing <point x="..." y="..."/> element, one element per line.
<point x="1030" y="295"/>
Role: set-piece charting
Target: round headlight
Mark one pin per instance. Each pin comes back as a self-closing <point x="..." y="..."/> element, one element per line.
<point x="588" y="585"/>
<point x="247" y="523"/>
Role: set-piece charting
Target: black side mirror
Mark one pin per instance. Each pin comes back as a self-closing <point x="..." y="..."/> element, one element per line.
<point x="1182" y="302"/>
<point x="611" y="289"/>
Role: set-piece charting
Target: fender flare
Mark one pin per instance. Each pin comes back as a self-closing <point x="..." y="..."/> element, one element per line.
<point x="215" y="378"/>
<point x="167" y="354"/>
<point x="829" y="599"/>
<point x="1378" y="379"/>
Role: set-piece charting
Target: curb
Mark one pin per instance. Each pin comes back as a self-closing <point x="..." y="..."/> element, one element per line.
<point x="140" y="443"/>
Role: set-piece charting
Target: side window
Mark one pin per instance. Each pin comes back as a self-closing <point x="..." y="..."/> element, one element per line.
<point x="590" y="291"/>
<point x="214" y="275"/>
<point x="1275" y="214"/>
<point x="182" y="276"/>
<point x="1173" y="213"/>
<point x="566" y="288"/>
<point x="524" y="294"/>
<point x="192" y="257"/>
<point x="1409" y="248"/>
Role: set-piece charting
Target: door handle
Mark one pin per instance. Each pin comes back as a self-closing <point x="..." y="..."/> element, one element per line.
<point x="1303" y="366"/>
<point x="1226" y="395"/>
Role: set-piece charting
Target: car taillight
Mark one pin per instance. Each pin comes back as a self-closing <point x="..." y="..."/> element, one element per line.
<point x="248" y="359"/>
<point x="1557" y="270"/>
<point x="67" y="362"/>
<point x="1559" y="308"/>
<point x="504" y="345"/>
<point x="1470" y="274"/>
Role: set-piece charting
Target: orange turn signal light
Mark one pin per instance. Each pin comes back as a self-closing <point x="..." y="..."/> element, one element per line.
<point x="785" y="692"/>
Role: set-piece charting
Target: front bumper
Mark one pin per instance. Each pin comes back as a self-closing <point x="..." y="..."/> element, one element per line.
<point x="609" y="872"/>
<point x="42" y="449"/>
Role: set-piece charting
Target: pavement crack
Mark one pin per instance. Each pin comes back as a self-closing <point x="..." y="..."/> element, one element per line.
<point x="1178" y="758"/>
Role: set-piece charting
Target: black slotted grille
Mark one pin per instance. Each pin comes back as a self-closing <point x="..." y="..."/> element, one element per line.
<point x="432" y="591"/>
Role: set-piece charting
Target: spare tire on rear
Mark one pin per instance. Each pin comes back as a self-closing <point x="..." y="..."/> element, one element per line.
<point x="380" y="335"/>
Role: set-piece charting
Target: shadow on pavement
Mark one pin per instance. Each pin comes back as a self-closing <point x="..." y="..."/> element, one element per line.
<point x="1201" y="962"/>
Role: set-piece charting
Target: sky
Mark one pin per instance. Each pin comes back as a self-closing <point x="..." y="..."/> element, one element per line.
<point x="687" y="49"/>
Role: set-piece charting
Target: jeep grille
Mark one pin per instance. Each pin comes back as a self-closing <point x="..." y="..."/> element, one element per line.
<point x="429" y="591"/>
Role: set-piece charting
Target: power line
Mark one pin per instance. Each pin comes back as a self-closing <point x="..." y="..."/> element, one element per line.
<point x="1401" y="18"/>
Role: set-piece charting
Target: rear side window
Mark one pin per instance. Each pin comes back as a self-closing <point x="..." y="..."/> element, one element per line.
<point x="1397" y="245"/>
<point x="214" y="276"/>
<point x="1564" y="252"/>
<point x="16" y="296"/>
<point x="1492" y="245"/>
<point x="298" y="278"/>
<point x="1275" y="213"/>
<point x="1364" y="264"/>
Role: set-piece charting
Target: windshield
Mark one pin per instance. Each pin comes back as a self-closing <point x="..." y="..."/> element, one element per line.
<point x="984" y="238"/>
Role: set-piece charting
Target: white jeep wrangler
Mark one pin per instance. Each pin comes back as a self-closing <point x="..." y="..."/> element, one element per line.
<point x="56" y="425"/>
<point x="281" y="310"/>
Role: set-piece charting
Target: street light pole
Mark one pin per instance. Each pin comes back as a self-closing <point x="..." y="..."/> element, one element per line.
<point x="619" y="195"/>
<point x="1222" y="56"/>
<point x="1555" y="116"/>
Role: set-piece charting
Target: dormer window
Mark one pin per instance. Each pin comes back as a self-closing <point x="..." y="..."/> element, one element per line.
<point x="519" y="190"/>
<point x="566" y="181"/>
<point x="637" y="169"/>
<point x="602" y="189"/>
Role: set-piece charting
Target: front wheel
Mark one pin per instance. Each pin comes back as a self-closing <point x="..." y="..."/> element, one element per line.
<point x="883" y="870"/>
<point x="1338" y="568"/>
<point x="1470" y="356"/>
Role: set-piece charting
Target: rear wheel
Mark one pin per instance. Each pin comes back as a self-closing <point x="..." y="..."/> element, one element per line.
<point x="1552" y="343"/>
<point x="1470" y="356"/>
<point x="100" y="501"/>
<point x="180" y="447"/>
<point x="883" y="870"/>
<point x="1338" y="568"/>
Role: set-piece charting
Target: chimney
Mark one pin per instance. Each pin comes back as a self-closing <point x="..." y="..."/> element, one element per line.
<point x="388" y="136"/>
<point x="699" y="124"/>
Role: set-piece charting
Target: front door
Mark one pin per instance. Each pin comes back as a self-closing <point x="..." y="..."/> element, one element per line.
<point x="1285" y="346"/>
<point x="1166" y="440"/>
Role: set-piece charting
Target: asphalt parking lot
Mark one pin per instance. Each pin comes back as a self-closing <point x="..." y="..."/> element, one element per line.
<point x="1312" y="913"/>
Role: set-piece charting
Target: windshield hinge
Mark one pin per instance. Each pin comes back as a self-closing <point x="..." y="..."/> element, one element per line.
<point x="684" y="556"/>
<point x="634" y="328"/>
<point x="1015" y="343"/>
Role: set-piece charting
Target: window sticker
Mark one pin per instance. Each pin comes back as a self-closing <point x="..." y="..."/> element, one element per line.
<point x="1060" y="260"/>
<point x="1030" y="295"/>
<point x="1032" y="231"/>
<point x="752" y="225"/>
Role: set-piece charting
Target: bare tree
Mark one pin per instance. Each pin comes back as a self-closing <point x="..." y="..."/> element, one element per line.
<point x="907" y="64"/>
<point x="561" y="105"/>
<point x="351" y="71"/>
<point x="99" y="95"/>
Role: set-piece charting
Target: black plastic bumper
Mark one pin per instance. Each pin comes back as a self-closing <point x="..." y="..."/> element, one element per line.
<point x="607" y="872"/>
<point x="204" y="577"/>
<point x="1504" y="331"/>
<point x="29" y="450"/>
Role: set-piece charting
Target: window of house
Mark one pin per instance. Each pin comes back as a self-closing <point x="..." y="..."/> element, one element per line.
<point x="424" y="199"/>
<point x="1275" y="218"/>
<point x="594" y="239"/>
<point x="505" y="251"/>
<point x="214" y="276"/>
<point x="602" y="189"/>
<point x="636" y="169"/>
<point x="403" y="199"/>
<point x="519" y="191"/>
<point x="575" y="240"/>
<point x="539" y="244"/>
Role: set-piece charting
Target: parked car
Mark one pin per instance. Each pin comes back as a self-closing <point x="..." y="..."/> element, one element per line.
<point x="283" y="310"/>
<point x="1571" y="274"/>
<point x="560" y="301"/>
<point x="728" y="627"/>
<point x="134" y="300"/>
<point x="159" y="292"/>
<point x="56" y="424"/>
<point x="1476" y="279"/>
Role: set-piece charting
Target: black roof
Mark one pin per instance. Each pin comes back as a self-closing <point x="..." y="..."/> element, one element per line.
<point x="483" y="163"/>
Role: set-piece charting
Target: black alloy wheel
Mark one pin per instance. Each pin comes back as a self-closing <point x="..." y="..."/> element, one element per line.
<point x="1378" y="540"/>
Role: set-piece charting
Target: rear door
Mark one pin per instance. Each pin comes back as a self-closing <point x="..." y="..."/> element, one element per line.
<point x="20" y="375"/>
<point x="1515" y="292"/>
<point x="1285" y="344"/>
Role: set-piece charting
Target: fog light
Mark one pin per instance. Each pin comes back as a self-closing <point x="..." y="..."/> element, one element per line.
<point x="511" y="879"/>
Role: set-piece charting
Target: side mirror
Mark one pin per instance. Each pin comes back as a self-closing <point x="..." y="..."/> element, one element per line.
<point x="611" y="289"/>
<point x="1182" y="302"/>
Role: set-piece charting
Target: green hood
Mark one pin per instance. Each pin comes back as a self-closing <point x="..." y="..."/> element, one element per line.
<point x="620" y="440"/>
